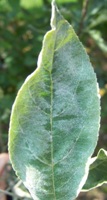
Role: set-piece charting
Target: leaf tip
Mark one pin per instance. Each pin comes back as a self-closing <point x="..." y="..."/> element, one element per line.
<point x="53" y="2"/>
<point x="55" y="15"/>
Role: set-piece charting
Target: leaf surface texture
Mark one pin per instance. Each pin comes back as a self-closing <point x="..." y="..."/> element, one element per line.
<point x="55" y="117"/>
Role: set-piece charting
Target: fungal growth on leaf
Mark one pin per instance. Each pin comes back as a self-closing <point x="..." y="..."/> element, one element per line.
<point x="55" y="118"/>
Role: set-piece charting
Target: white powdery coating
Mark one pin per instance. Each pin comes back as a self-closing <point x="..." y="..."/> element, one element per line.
<point x="85" y="176"/>
<point x="99" y="96"/>
<point x="53" y="15"/>
<point x="33" y="177"/>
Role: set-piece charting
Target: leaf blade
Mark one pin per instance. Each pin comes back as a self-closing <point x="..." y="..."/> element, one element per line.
<point x="53" y="110"/>
<point x="97" y="174"/>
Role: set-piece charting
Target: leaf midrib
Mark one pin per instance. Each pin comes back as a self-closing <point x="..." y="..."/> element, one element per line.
<point x="51" y="117"/>
<point x="51" y="123"/>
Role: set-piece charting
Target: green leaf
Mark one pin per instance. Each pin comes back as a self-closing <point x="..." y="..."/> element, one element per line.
<point x="98" y="171"/>
<point x="31" y="4"/>
<point x="96" y="35"/>
<point x="55" y="118"/>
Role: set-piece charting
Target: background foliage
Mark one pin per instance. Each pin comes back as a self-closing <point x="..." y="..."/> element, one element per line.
<point x="23" y="24"/>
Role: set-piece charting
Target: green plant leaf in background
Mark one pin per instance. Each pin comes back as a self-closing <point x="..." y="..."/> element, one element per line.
<point x="98" y="171"/>
<point x="55" y="118"/>
<point x="96" y="35"/>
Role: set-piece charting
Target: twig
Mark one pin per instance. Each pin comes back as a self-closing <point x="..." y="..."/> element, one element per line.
<point x="84" y="12"/>
<point x="6" y="192"/>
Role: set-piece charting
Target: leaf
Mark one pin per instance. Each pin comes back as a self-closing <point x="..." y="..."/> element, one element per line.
<point x="96" y="35"/>
<point x="31" y="4"/>
<point x="100" y="19"/>
<point x="96" y="5"/>
<point x="55" y="118"/>
<point x="98" y="171"/>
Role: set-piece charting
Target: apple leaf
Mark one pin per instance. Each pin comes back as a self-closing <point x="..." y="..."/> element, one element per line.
<point x="55" y="118"/>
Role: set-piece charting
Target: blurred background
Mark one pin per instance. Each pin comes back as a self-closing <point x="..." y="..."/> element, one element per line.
<point x="23" y="24"/>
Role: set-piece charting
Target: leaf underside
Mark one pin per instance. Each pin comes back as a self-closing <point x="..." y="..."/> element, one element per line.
<point x="98" y="171"/>
<point x="55" y="118"/>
